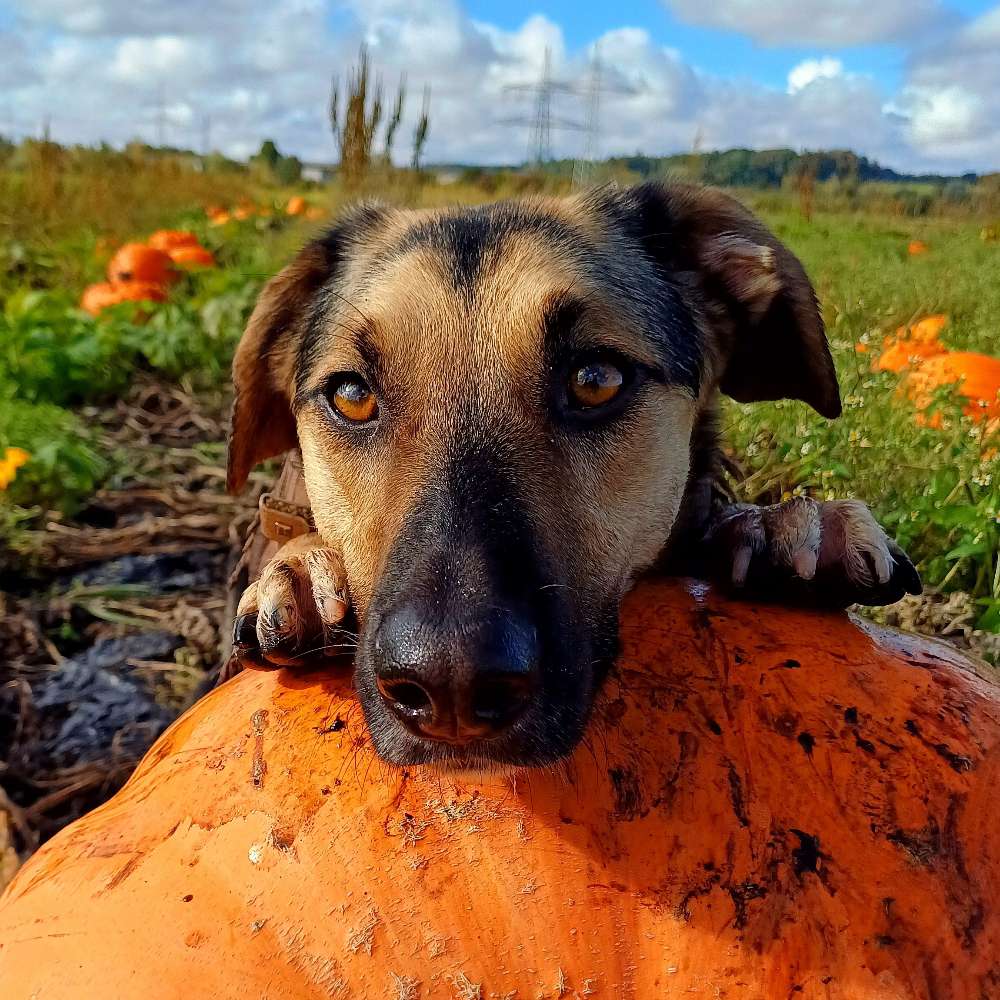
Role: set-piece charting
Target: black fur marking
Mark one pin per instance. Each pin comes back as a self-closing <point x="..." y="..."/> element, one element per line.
<point x="642" y="215"/>
<point x="468" y="552"/>
<point x="561" y="316"/>
<point x="336" y="244"/>
<point x="472" y="516"/>
<point x="471" y="238"/>
<point x="704" y="496"/>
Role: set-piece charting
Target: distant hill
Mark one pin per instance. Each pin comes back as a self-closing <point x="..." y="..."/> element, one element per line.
<point x="770" y="167"/>
<point x="756" y="168"/>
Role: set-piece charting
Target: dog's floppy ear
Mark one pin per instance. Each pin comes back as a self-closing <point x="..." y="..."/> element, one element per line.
<point x="762" y="312"/>
<point x="262" y="424"/>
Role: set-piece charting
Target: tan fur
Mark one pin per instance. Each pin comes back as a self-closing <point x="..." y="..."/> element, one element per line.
<point x="444" y="313"/>
<point x="439" y="347"/>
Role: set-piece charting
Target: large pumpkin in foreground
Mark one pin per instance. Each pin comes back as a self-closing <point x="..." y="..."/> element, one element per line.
<point x="770" y="804"/>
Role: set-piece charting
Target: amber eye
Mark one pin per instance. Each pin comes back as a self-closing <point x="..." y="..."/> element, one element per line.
<point x="354" y="401"/>
<point x="594" y="384"/>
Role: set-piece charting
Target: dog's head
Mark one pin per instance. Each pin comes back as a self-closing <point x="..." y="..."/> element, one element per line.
<point x="495" y="408"/>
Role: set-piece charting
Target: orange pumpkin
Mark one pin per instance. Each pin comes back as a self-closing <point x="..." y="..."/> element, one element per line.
<point x="912" y="344"/>
<point x="902" y="354"/>
<point x="916" y="247"/>
<point x="772" y="803"/>
<point x="171" y="239"/>
<point x="976" y="378"/>
<point x="191" y="257"/>
<point x="296" y="205"/>
<point x="98" y="297"/>
<point x="927" y="329"/>
<point x="220" y="219"/>
<point x="138" y="262"/>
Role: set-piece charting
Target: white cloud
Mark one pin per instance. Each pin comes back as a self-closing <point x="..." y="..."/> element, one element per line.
<point x="114" y="70"/>
<point x="813" y="69"/>
<point x="813" y="22"/>
<point x="136" y="17"/>
<point x="162" y="57"/>
<point x="942" y="115"/>
<point x="952" y="97"/>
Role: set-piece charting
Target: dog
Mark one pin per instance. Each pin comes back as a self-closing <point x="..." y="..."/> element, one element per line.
<point x="506" y="415"/>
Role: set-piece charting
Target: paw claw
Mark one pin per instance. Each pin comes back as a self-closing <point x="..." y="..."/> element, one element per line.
<point x="804" y="563"/>
<point x="833" y="554"/>
<point x="741" y="565"/>
<point x="907" y="574"/>
<point x="245" y="631"/>
<point x="290" y="616"/>
<point x="280" y="619"/>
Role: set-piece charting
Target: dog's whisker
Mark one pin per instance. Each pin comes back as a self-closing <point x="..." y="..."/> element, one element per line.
<point x="345" y="647"/>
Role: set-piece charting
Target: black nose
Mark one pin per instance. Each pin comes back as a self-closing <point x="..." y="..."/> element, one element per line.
<point x="456" y="681"/>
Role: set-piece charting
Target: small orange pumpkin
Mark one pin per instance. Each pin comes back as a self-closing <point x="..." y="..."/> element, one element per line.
<point x="926" y="329"/>
<point x="911" y="344"/>
<point x="296" y="205"/>
<point x="99" y="297"/>
<point x="917" y="247"/>
<point x="976" y="377"/>
<point x="139" y="262"/>
<point x="171" y="239"/>
<point x="220" y="219"/>
<point x="192" y="257"/>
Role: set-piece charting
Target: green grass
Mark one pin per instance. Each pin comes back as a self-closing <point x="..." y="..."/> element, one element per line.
<point x="934" y="489"/>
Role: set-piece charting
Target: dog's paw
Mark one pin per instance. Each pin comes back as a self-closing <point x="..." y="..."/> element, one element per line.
<point x="295" y="613"/>
<point x="832" y="553"/>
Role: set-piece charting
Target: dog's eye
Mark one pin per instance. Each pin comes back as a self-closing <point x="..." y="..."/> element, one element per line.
<point x="353" y="400"/>
<point x="594" y="384"/>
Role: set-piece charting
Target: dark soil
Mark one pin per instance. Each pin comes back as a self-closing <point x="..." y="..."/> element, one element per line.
<point x="110" y="625"/>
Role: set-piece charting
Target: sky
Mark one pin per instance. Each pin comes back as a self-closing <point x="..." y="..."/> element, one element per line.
<point x="914" y="84"/>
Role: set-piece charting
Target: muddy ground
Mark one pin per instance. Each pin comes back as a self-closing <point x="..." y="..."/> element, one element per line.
<point x="118" y="629"/>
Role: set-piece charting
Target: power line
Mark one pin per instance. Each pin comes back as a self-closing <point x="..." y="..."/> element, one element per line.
<point x="542" y="121"/>
<point x="583" y="168"/>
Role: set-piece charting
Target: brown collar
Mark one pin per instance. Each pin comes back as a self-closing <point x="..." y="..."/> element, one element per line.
<point x="282" y="515"/>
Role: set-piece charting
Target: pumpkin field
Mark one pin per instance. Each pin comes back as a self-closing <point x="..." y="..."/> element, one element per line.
<point x="124" y="286"/>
